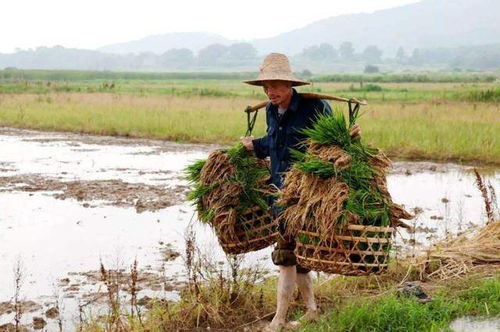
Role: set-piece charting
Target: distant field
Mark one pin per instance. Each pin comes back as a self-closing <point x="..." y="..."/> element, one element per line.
<point x="406" y="77"/>
<point x="440" y="121"/>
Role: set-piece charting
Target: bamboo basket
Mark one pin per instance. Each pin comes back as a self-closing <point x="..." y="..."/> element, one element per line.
<point x="359" y="250"/>
<point x="254" y="230"/>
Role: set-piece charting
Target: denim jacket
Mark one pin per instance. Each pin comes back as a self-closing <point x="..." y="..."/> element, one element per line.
<point x="283" y="133"/>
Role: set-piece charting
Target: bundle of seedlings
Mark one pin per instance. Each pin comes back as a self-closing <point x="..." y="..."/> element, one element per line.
<point x="230" y="192"/>
<point x="336" y="201"/>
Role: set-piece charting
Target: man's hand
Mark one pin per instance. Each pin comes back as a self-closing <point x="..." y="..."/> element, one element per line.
<point x="247" y="142"/>
<point x="355" y="131"/>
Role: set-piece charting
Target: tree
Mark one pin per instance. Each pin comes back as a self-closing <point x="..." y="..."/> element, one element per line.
<point x="323" y="52"/>
<point x="416" y="57"/>
<point x="371" y="69"/>
<point x="400" y="54"/>
<point x="177" y="58"/>
<point x="306" y="74"/>
<point x="242" y="51"/>
<point x="144" y="60"/>
<point x="209" y="55"/>
<point x="372" y="54"/>
<point x="346" y="51"/>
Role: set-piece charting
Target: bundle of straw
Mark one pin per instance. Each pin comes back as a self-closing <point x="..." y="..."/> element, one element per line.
<point x="336" y="183"/>
<point x="475" y="248"/>
<point x="230" y="193"/>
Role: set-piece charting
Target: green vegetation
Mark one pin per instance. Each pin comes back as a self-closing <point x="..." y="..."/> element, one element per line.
<point x="230" y="179"/>
<point x="409" y="78"/>
<point x="489" y="95"/>
<point x="84" y="75"/>
<point x="89" y="75"/>
<point x="393" y="313"/>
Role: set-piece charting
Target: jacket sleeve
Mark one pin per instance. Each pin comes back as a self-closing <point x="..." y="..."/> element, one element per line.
<point x="261" y="147"/>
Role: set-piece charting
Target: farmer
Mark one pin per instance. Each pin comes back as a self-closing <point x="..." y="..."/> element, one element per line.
<point x="286" y="114"/>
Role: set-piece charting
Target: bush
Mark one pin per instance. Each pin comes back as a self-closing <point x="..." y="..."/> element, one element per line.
<point x="370" y="69"/>
<point x="489" y="95"/>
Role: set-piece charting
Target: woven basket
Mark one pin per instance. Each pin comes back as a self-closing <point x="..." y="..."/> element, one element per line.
<point x="358" y="250"/>
<point x="255" y="229"/>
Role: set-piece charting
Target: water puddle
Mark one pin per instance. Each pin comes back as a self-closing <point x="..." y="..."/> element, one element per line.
<point x="466" y="324"/>
<point x="69" y="202"/>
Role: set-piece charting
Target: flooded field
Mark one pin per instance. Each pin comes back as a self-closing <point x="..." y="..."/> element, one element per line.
<point x="69" y="201"/>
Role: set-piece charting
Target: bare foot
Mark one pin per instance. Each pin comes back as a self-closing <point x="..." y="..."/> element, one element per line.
<point x="310" y="316"/>
<point x="274" y="326"/>
<point x="293" y="325"/>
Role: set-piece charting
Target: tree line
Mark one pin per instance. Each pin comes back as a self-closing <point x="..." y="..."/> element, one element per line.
<point x="244" y="55"/>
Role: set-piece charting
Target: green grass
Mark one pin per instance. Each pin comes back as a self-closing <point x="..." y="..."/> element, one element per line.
<point x="393" y="313"/>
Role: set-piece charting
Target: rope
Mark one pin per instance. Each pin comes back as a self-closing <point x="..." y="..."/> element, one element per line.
<point x="353" y="112"/>
<point x="251" y="119"/>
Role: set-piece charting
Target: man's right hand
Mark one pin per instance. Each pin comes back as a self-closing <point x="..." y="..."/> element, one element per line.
<point x="247" y="142"/>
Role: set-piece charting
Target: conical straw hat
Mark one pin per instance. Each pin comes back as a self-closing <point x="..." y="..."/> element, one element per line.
<point x="276" y="67"/>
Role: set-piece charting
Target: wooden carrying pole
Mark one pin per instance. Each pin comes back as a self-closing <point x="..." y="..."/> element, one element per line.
<point x="257" y="107"/>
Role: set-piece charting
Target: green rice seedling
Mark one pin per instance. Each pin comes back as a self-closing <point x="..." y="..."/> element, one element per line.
<point x="230" y="191"/>
<point x="335" y="189"/>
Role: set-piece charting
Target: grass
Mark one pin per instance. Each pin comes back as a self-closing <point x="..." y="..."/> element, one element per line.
<point x="438" y="129"/>
<point x="393" y="313"/>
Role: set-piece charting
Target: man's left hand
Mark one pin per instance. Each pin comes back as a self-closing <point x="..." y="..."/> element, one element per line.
<point x="355" y="131"/>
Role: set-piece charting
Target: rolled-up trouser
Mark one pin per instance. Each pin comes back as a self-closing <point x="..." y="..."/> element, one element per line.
<point x="283" y="253"/>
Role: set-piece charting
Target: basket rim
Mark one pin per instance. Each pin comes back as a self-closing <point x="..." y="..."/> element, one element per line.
<point x="359" y="252"/>
<point x="350" y="237"/>
<point x="337" y="263"/>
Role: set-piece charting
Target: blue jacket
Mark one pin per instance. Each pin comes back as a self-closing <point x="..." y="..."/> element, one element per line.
<point x="283" y="134"/>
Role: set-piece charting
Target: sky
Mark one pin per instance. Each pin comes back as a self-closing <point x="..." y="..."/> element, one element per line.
<point x="90" y="24"/>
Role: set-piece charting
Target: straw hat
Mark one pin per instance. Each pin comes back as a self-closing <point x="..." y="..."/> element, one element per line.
<point x="276" y="67"/>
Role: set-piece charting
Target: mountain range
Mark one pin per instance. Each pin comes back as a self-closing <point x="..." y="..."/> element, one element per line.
<point x="426" y="24"/>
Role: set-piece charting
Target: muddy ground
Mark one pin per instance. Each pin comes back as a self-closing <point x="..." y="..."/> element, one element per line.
<point x="142" y="197"/>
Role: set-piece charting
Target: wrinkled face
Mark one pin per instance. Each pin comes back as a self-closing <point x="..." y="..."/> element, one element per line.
<point x="278" y="91"/>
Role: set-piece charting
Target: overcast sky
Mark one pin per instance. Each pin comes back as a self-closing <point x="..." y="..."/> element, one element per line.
<point x="94" y="23"/>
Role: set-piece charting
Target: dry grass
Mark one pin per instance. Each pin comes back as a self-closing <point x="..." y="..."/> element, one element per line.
<point x="456" y="257"/>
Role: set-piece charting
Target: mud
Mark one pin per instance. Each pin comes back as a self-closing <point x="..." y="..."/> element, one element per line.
<point x="9" y="327"/>
<point x="26" y="306"/>
<point x="411" y="168"/>
<point x="75" y="140"/>
<point x="142" y="197"/>
<point x="52" y="313"/>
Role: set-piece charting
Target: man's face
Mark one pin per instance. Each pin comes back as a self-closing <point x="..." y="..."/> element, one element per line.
<point x="277" y="91"/>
